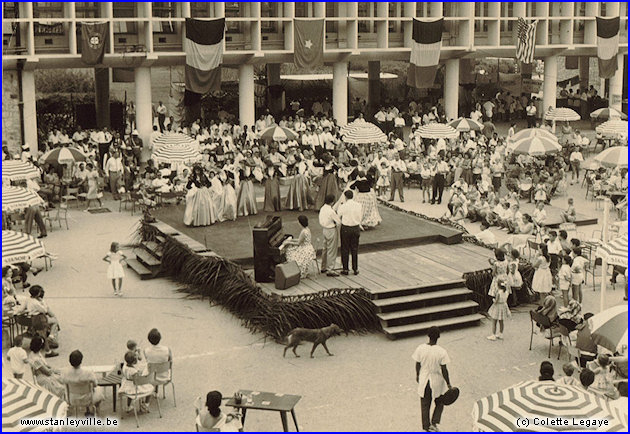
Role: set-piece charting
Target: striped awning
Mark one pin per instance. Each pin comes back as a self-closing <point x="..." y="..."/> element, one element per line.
<point x="17" y="198"/>
<point x="17" y="170"/>
<point x="562" y="114"/>
<point x="23" y="400"/>
<point x="20" y="247"/>
<point x="466" y="124"/>
<point x="616" y="251"/>
<point x="613" y="157"/>
<point x="614" y="128"/>
<point x="530" y="133"/>
<point x="610" y="327"/>
<point x="535" y="146"/>
<point x="606" y="113"/>
<point x="362" y="132"/>
<point x="437" y="131"/>
<point x="176" y="154"/>
<point x="506" y="411"/>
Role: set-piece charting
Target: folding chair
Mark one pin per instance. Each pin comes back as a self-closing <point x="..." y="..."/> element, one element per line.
<point x="540" y="320"/>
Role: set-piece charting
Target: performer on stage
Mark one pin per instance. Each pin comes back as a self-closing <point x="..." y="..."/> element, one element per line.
<point x="329" y="180"/>
<point x="199" y="206"/>
<point x="363" y="186"/>
<point x="216" y="192"/>
<point x="246" y="200"/>
<point x="350" y="214"/>
<point x="229" y="198"/>
<point x="301" y="250"/>
<point x="298" y="195"/>
<point x="272" y="191"/>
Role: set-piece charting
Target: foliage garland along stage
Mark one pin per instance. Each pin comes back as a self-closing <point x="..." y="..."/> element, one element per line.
<point x="478" y="281"/>
<point x="225" y="283"/>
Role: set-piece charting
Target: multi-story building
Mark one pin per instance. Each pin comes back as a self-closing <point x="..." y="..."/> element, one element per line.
<point x="143" y="35"/>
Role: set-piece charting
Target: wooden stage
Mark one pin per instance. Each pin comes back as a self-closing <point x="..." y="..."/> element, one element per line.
<point x="422" y="265"/>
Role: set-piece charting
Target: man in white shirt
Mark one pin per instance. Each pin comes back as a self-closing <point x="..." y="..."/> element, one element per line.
<point x="328" y="220"/>
<point x="432" y="378"/>
<point x="531" y="115"/>
<point x="381" y="117"/>
<point x="399" y="169"/>
<point x="114" y="170"/>
<point x="439" y="179"/>
<point x="350" y="214"/>
<point x="575" y="159"/>
<point x="161" y="112"/>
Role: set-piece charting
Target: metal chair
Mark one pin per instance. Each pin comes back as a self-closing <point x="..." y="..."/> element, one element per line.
<point x="60" y="215"/>
<point x="160" y="368"/>
<point x="136" y="397"/>
<point x="80" y="395"/>
<point x="542" y="321"/>
<point x="72" y="194"/>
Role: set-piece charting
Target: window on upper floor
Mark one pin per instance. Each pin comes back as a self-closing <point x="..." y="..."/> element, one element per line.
<point x="125" y="10"/>
<point x="164" y="10"/>
<point x="88" y="9"/>
<point x="48" y="9"/>
<point x="10" y="10"/>
<point x="332" y="10"/>
<point x="232" y="9"/>
<point x="481" y="10"/>
<point x="269" y="9"/>
<point x="301" y="9"/>
<point x="200" y="9"/>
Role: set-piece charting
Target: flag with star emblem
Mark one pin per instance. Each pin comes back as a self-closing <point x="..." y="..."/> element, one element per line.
<point x="425" y="53"/>
<point x="308" y="42"/>
<point x="93" y="37"/>
<point x="607" y="46"/>
<point x="525" y="40"/>
<point x="204" y="54"/>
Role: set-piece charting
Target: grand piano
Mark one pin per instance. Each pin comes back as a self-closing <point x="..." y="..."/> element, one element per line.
<point x="268" y="237"/>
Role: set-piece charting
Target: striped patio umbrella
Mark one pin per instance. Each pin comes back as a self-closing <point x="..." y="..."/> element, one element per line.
<point x="535" y="146"/>
<point x="173" y="139"/>
<point x="17" y="198"/>
<point x="277" y="133"/>
<point x="437" y="131"/>
<point x="610" y="327"/>
<point x="466" y="124"/>
<point x="603" y="114"/>
<point x="20" y="247"/>
<point x="64" y="155"/>
<point x="359" y="133"/>
<point x="562" y="114"/>
<point x="23" y="400"/>
<point x="176" y="154"/>
<point x="17" y="170"/>
<point x="500" y="411"/>
<point x="613" y="157"/>
<point x="616" y="251"/>
<point x="614" y="128"/>
<point x="530" y="133"/>
<point x="358" y="123"/>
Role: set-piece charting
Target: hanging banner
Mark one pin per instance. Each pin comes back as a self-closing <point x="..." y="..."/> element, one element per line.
<point x="531" y="85"/>
<point x="510" y="82"/>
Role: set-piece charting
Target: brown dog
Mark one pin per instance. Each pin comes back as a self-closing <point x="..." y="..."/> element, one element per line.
<point x="317" y="336"/>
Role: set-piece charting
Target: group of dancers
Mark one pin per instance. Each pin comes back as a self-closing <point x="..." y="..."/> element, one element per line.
<point x="226" y="193"/>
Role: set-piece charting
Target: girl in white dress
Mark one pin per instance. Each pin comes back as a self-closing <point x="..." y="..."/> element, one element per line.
<point x="115" y="271"/>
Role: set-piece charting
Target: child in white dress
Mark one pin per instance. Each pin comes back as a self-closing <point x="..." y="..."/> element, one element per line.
<point x="115" y="270"/>
<point x="499" y="310"/>
<point x="129" y="372"/>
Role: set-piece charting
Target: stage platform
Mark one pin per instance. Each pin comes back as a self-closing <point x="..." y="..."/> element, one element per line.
<point x="233" y="239"/>
<point x="395" y="269"/>
<point x="553" y="215"/>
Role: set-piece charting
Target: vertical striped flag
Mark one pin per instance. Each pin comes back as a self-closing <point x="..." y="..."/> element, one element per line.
<point x="525" y="41"/>
<point x="425" y="53"/>
<point x="607" y="45"/>
<point x="204" y="54"/>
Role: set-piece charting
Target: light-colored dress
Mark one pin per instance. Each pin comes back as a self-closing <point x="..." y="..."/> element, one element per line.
<point x="246" y="200"/>
<point x="514" y="278"/>
<point x="499" y="269"/>
<point x="127" y="387"/>
<point x="303" y="254"/>
<point x="499" y="309"/>
<point x="542" y="280"/>
<point x="115" y="269"/>
<point x="229" y="202"/>
<point x="92" y="180"/>
<point x="200" y="210"/>
<point x="52" y="383"/>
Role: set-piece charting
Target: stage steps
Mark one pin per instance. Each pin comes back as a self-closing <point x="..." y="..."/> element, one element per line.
<point x="148" y="260"/>
<point x="413" y="310"/>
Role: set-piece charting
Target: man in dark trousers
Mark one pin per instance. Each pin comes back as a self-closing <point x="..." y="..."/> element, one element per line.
<point x="432" y="378"/>
<point x="399" y="170"/>
<point x="441" y="169"/>
<point x="350" y="214"/>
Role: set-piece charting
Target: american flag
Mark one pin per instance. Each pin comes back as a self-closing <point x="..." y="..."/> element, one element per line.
<point x="526" y="41"/>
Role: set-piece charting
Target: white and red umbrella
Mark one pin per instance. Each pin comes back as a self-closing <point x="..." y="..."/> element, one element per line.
<point x="173" y="139"/>
<point x="613" y="157"/>
<point x="530" y="133"/>
<point x="535" y="146"/>
<point x="437" y="131"/>
<point x="614" y="128"/>
<point x="18" y="198"/>
<point x="65" y="155"/>
<point x="610" y="327"/>
<point x="466" y="124"/>
<point x="361" y="132"/>
<point x="22" y="400"/>
<point x="176" y="154"/>
<point x="18" y="170"/>
<point x="20" y="247"/>
<point x="278" y="133"/>
<point x="562" y="114"/>
<point x="604" y="114"/>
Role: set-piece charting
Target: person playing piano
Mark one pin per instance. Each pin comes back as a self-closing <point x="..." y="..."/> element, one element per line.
<point x="301" y="250"/>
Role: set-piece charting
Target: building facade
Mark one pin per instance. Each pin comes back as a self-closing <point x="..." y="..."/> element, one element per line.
<point x="143" y="35"/>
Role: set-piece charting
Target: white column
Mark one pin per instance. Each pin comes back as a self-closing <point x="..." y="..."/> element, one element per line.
<point x="550" y="82"/>
<point x="340" y="93"/>
<point x="72" y="27"/>
<point x="29" y="110"/>
<point x="451" y="89"/>
<point x="246" y="106"/>
<point x="616" y="85"/>
<point x="144" y="113"/>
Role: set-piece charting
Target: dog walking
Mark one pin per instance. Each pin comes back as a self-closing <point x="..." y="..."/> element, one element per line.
<point x="328" y="220"/>
<point x="433" y="380"/>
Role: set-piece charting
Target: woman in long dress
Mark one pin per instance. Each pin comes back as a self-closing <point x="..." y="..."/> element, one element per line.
<point x="200" y="210"/>
<point x="542" y="281"/>
<point x="328" y="183"/>
<point x="229" y="198"/>
<point x="301" y="250"/>
<point x="272" y="191"/>
<point x="92" y="180"/>
<point x="46" y="377"/>
<point x="246" y="199"/>
<point x="216" y="194"/>
<point x="298" y="195"/>
<point x="367" y="198"/>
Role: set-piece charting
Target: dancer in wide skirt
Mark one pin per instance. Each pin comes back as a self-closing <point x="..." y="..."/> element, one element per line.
<point x="298" y="195"/>
<point x="246" y="198"/>
<point x="329" y="183"/>
<point x="272" y="191"/>
<point x="199" y="206"/>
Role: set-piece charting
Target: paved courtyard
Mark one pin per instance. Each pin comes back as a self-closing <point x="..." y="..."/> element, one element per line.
<point x="367" y="386"/>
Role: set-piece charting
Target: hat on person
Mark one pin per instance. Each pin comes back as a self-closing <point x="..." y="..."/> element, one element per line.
<point x="450" y="396"/>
